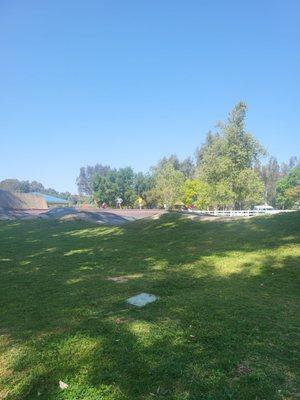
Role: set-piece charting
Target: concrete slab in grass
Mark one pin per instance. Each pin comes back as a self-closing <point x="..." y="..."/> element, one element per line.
<point x="140" y="300"/>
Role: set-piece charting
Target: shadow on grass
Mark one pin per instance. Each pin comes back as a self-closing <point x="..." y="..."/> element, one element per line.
<point x="72" y="324"/>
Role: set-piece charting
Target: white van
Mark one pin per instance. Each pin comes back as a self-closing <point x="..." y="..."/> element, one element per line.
<point x="264" y="208"/>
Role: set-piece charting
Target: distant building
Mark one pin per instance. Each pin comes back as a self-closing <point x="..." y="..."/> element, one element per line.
<point x="52" y="201"/>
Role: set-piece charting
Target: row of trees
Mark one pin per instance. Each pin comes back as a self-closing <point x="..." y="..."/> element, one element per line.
<point x="227" y="172"/>
<point x="105" y="184"/>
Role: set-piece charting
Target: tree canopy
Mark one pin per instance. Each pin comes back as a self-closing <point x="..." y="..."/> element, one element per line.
<point x="288" y="189"/>
<point x="226" y="161"/>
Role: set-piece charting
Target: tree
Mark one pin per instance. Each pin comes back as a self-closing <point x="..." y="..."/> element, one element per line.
<point x="294" y="162"/>
<point x="142" y="184"/>
<point x="201" y="151"/>
<point x="287" y="189"/>
<point x="293" y="196"/>
<point x="36" y="187"/>
<point x="83" y="183"/>
<point x="227" y="157"/>
<point x="286" y="167"/>
<point x="172" y="160"/>
<point x="125" y="181"/>
<point x="242" y="148"/>
<point x="86" y="176"/>
<point x="205" y="196"/>
<point x="117" y="183"/>
<point x="187" y="166"/>
<point x="249" y="189"/>
<point x="222" y="195"/>
<point x="190" y="191"/>
<point x="13" y="185"/>
<point x="270" y="174"/>
<point x="105" y="189"/>
<point x="168" y="185"/>
<point x="213" y="162"/>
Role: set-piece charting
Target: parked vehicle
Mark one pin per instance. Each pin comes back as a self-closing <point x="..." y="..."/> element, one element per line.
<point x="264" y="208"/>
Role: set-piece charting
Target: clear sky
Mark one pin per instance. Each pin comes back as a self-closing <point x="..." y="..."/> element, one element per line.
<point x="125" y="82"/>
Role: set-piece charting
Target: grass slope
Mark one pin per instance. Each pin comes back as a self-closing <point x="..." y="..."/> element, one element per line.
<point x="225" y="326"/>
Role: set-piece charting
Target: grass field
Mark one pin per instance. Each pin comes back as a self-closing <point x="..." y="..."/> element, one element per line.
<point x="226" y="325"/>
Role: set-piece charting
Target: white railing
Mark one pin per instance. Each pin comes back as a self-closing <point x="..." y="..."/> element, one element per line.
<point x="237" y="213"/>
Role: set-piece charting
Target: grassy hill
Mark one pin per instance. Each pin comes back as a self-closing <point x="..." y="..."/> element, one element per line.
<point x="225" y="326"/>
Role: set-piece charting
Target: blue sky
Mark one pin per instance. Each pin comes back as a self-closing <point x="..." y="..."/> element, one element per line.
<point x="127" y="82"/>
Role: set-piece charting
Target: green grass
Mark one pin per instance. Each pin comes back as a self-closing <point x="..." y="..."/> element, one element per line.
<point x="225" y="327"/>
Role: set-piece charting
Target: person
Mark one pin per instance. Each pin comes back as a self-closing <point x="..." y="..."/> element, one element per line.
<point x="140" y="202"/>
<point x="119" y="202"/>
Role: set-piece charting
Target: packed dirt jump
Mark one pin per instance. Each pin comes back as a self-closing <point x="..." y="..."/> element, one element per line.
<point x="99" y="216"/>
<point x="92" y="215"/>
<point x="21" y="201"/>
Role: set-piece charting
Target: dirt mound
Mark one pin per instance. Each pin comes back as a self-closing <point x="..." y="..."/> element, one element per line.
<point x="100" y="217"/>
<point x="21" y="201"/>
<point x="92" y="215"/>
<point x="9" y="215"/>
